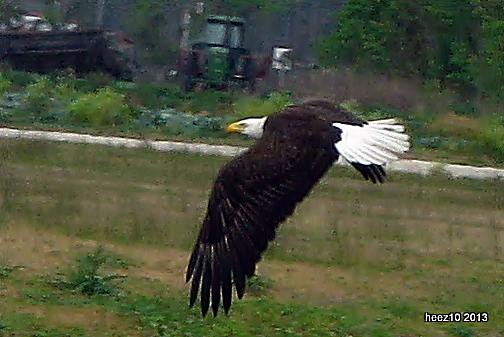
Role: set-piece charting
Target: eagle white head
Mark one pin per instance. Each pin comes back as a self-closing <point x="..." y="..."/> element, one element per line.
<point x="252" y="127"/>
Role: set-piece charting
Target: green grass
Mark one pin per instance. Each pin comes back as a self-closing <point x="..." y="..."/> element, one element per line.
<point x="46" y="311"/>
<point x="355" y="260"/>
<point x="49" y="312"/>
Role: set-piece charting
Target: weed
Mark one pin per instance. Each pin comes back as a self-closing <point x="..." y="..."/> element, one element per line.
<point x="86" y="278"/>
<point x="247" y="106"/>
<point x="157" y="323"/>
<point x="461" y="330"/>
<point x="259" y="285"/>
<point x="6" y="271"/>
<point x="115" y="260"/>
<point x="401" y="308"/>
<point x="6" y="267"/>
<point x="437" y="170"/>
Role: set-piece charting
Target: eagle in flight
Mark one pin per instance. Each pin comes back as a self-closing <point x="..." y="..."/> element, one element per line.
<point x="256" y="191"/>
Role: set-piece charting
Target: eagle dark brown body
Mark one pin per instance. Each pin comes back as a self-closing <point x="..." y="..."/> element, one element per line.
<point x="256" y="191"/>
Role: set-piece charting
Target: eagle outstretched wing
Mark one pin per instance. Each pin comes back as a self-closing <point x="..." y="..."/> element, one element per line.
<point x="256" y="191"/>
<point x="252" y="195"/>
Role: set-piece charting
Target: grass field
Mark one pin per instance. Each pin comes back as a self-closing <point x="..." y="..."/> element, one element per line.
<point x="355" y="260"/>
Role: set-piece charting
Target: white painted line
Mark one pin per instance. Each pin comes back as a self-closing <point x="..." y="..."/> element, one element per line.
<point x="408" y="166"/>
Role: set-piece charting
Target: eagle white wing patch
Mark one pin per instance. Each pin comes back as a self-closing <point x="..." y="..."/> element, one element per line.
<point x="378" y="142"/>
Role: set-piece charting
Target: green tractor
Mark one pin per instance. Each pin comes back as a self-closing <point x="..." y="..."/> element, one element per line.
<point x="218" y="59"/>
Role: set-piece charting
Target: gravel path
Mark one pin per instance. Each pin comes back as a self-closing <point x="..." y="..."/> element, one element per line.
<point x="408" y="166"/>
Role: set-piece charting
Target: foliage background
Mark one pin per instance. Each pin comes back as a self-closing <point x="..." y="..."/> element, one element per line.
<point x="450" y="44"/>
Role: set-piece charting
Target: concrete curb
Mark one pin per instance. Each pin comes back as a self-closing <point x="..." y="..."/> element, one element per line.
<point x="407" y="166"/>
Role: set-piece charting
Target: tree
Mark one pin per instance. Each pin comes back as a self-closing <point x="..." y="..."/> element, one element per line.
<point x="457" y="43"/>
<point x="488" y="65"/>
<point x="148" y="23"/>
<point x="246" y="7"/>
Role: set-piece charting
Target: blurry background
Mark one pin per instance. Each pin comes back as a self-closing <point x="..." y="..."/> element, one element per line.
<point x="155" y="25"/>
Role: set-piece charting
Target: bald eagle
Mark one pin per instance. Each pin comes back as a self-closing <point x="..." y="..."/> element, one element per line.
<point x="256" y="191"/>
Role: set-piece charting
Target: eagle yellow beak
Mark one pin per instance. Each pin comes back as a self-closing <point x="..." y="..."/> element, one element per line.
<point x="234" y="127"/>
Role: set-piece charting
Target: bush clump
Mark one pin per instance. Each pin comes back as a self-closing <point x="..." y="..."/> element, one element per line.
<point x="258" y="107"/>
<point x="21" y="79"/>
<point x="38" y="97"/>
<point x="150" y="96"/>
<point x="215" y="102"/>
<point x="46" y="100"/>
<point x="100" y="108"/>
<point x="5" y="83"/>
<point x="491" y="136"/>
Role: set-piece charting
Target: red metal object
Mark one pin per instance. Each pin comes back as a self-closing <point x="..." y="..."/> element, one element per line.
<point x="263" y="65"/>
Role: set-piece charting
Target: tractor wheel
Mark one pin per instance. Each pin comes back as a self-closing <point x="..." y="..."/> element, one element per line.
<point x="186" y="73"/>
<point x="185" y="81"/>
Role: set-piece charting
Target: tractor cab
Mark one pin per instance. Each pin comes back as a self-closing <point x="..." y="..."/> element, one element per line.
<point x="223" y="31"/>
<point x="218" y="57"/>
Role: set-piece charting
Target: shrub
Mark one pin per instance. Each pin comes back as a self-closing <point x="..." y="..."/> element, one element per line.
<point x="101" y="108"/>
<point x="21" y="78"/>
<point x="253" y="106"/>
<point x="491" y="136"/>
<point x="371" y="111"/>
<point x="147" y="95"/>
<point x="171" y="96"/>
<point x="46" y="99"/>
<point x="211" y="101"/>
<point x="465" y="108"/>
<point x="353" y="106"/>
<point x="38" y="97"/>
<point x="95" y="81"/>
<point x="5" y="83"/>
